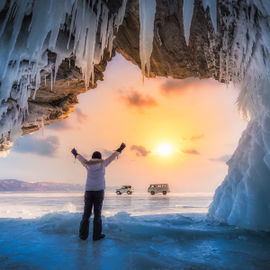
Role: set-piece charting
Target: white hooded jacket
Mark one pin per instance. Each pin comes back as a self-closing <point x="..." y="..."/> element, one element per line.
<point x="96" y="171"/>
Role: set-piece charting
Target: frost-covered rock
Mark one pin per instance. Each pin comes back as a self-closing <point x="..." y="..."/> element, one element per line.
<point x="29" y="30"/>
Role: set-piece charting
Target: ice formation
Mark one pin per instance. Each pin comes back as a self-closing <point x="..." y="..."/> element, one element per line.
<point x="147" y="19"/>
<point x="26" y="36"/>
<point x="132" y="242"/>
<point x="242" y="40"/>
<point x="212" y="5"/>
<point x="243" y="199"/>
<point x="188" y="6"/>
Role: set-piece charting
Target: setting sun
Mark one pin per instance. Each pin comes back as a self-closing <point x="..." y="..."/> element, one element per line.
<point x="164" y="149"/>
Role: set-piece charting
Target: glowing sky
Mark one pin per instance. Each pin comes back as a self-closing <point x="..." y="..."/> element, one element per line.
<point x="179" y="132"/>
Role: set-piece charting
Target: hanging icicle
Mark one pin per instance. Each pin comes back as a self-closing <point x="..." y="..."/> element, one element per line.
<point x="147" y="19"/>
<point x="188" y="6"/>
<point x="212" y="5"/>
<point x="24" y="46"/>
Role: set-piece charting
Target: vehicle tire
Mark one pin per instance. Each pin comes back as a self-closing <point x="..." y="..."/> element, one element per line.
<point x="118" y="193"/>
<point x="152" y="192"/>
<point x="164" y="192"/>
<point x="129" y="192"/>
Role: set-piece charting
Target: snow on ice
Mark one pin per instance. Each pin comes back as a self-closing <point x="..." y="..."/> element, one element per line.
<point x="132" y="242"/>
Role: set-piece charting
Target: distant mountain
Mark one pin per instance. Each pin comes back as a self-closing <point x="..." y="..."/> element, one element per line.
<point x="13" y="185"/>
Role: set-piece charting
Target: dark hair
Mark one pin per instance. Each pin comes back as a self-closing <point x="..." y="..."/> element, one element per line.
<point x="96" y="155"/>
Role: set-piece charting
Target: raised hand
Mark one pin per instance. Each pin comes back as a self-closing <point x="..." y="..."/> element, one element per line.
<point x="74" y="152"/>
<point x="121" y="148"/>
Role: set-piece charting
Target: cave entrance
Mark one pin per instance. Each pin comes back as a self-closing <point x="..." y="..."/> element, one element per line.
<point x="177" y="131"/>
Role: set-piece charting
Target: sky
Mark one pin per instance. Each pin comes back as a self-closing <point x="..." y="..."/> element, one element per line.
<point x="179" y="132"/>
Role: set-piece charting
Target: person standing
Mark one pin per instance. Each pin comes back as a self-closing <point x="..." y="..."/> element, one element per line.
<point x="94" y="190"/>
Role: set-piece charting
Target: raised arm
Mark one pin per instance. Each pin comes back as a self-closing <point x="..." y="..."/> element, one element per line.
<point x="79" y="157"/>
<point x="112" y="157"/>
<point x="115" y="154"/>
<point x="82" y="160"/>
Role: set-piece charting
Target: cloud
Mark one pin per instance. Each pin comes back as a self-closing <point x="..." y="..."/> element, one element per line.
<point x="222" y="159"/>
<point x="81" y="117"/>
<point x="191" y="151"/>
<point x="60" y="125"/>
<point x="43" y="147"/>
<point x="173" y="86"/>
<point x="140" y="150"/>
<point x="193" y="138"/>
<point x="136" y="99"/>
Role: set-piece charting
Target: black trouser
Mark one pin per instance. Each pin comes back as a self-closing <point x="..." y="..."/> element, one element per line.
<point x="92" y="198"/>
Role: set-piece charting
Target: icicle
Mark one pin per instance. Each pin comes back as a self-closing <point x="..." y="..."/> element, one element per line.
<point x="23" y="57"/>
<point x="243" y="197"/>
<point x="147" y="19"/>
<point x="121" y="14"/>
<point x="42" y="127"/>
<point x="37" y="85"/>
<point x="51" y="75"/>
<point x="212" y="4"/>
<point x="188" y="6"/>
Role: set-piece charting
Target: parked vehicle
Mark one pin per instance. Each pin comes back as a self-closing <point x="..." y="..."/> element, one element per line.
<point x="125" y="189"/>
<point x="158" y="188"/>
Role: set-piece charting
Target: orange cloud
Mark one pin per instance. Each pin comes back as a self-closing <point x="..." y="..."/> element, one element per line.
<point x="191" y="151"/>
<point x="172" y="86"/>
<point x="140" y="150"/>
<point x="81" y="117"/>
<point x="136" y="99"/>
<point x="193" y="138"/>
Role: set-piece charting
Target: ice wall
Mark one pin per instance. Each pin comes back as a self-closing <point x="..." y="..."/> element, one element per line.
<point x="147" y="19"/>
<point x="29" y="29"/>
<point x="243" y="199"/>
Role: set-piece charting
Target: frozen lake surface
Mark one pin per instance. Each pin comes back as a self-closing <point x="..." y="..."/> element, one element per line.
<point x="40" y="231"/>
<point x="32" y="205"/>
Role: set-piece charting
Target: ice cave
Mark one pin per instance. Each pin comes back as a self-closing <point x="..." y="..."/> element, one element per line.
<point x="50" y="51"/>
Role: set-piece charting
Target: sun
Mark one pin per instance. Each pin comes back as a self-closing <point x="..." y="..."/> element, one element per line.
<point x="165" y="149"/>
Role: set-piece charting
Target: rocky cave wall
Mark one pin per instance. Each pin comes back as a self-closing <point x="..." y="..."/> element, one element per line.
<point x="171" y="56"/>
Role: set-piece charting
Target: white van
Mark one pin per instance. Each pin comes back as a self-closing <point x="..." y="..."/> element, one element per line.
<point x="158" y="188"/>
